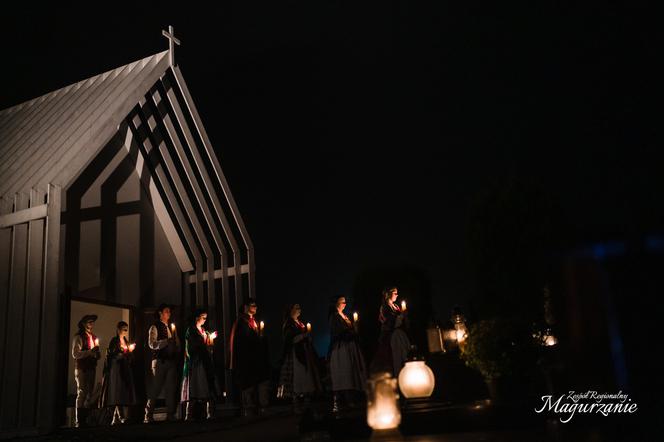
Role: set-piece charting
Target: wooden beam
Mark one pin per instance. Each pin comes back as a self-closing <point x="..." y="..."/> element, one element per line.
<point x="50" y="314"/>
<point x="23" y="216"/>
<point x="160" y="210"/>
<point x="219" y="274"/>
<point x="190" y="176"/>
<point x="31" y="311"/>
<point x="220" y="176"/>
<point x="14" y="334"/>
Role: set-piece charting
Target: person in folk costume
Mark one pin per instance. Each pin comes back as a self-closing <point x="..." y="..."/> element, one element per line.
<point x="249" y="359"/>
<point x="347" y="368"/>
<point x="393" y="342"/>
<point x="299" y="376"/>
<point x="164" y="342"/>
<point x="198" y="383"/>
<point x="117" y="388"/>
<point x="85" y="351"/>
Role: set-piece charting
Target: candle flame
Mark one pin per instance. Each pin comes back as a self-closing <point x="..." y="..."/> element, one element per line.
<point x="262" y="325"/>
<point x="308" y="326"/>
<point x="132" y="347"/>
<point x="96" y="342"/>
<point x="173" y="326"/>
<point x="403" y="305"/>
<point x="355" y="316"/>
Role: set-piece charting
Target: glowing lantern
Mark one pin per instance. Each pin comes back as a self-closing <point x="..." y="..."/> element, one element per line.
<point x="549" y="340"/>
<point x="382" y="410"/>
<point x="416" y="379"/>
<point x="461" y="332"/>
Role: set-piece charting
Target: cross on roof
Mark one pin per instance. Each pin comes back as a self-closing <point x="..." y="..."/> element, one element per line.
<point x="172" y="41"/>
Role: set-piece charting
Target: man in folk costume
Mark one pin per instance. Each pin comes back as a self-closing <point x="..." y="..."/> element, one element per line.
<point x="85" y="351"/>
<point x="165" y="345"/>
<point x="249" y="358"/>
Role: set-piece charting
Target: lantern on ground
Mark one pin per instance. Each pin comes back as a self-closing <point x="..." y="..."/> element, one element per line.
<point x="416" y="380"/>
<point x="460" y="329"/>
<point x="382" y="410"/>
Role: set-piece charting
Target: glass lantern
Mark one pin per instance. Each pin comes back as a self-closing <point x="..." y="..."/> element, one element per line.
<point x="382" y="409"/>
<point x="460" y="330"/>
<point x="416" y="380"/>
<point x="549" y="339"/>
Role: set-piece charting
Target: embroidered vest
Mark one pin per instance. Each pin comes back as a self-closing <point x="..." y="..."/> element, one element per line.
<point x="89" y="363"/>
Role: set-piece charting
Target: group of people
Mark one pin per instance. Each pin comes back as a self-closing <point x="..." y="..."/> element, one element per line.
<point x="118" y="391"/>
<point x="299" y="374"/>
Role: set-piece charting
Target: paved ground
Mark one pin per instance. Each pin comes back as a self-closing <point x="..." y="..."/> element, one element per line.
<point x="282" y="425"/>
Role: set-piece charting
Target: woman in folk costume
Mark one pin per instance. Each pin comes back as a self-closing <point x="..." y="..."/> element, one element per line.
<point x="198" y="373"/>
<point x="117" y="388"/>
<point x="249" y="359"/>
<point x="393" y="343"/>
<point x="347" y="368"/>
<point x="299" y="376"/>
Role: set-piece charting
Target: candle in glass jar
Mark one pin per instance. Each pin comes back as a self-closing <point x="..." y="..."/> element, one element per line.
<point x="308" y="326"/>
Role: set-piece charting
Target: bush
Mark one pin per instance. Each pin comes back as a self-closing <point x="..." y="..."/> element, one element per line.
<point x="498" y="348"/>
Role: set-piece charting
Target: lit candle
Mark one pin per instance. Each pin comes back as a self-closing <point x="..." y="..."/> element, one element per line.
<point x="172" y="326"/>
<point x="308" y="326"/>
<point x="355" y="317"/>
<point x="403" y="306"/>
<point x="96" y="342"/>
<point x="213" y="335"/>
<point x="261" y="326"/>
<point x="132" y="347"/>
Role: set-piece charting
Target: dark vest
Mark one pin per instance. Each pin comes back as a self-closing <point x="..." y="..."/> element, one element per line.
<point x="162" y="333"/>
<point x="89" y="363"/>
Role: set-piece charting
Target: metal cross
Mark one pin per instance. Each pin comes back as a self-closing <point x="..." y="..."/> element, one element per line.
<point x="172" y="41"/>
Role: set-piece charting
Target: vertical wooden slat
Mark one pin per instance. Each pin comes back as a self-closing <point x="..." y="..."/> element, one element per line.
<point x="6" y="246"/>
<point x="50" y="309"/>
<point x="14" y="324"/>
<point x="31" y="310"/>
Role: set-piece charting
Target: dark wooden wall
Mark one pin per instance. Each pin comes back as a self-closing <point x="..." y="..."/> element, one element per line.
<point x="29" y="310"/>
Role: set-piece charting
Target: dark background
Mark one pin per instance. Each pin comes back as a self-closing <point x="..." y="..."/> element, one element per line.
<point x="364" y="140"/>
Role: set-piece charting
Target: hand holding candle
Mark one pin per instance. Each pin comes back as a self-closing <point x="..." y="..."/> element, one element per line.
<point x="213" y="336"/>
<point x="132" y="347"/>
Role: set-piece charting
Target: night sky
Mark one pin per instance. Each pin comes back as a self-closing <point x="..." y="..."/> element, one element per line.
<point x="358" y="136"/>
